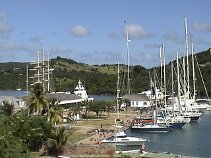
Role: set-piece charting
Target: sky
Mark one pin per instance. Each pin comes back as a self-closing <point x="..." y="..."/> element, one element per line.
<point x="94" y="31"/>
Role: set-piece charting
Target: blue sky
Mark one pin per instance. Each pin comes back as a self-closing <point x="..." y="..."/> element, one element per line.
<point x="93" y="31"/>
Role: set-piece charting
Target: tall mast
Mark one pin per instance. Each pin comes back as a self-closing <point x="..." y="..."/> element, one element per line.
<point x="193" y="69"/>
<point x="164" y="76"/>
<point x="128" y="64"/>
<point x="43" y="67"/>
<point x="27" y="80"/>
<point x="172" y="86"/>
<point x="161" y="69"/>
<point x="48" y="74"/>
<point x="38" y="66"/>
<point x="118" y="91"/>
<point x="155" y="89"/>
<point x="178" y="80"/>
<point x="187" y="53"/>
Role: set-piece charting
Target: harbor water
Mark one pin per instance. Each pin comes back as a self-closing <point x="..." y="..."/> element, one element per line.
<point x="193" y="140"/>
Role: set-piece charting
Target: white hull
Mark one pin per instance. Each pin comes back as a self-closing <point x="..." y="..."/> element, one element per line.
<point x="122" y="139"/>
<point x="130" y="141"/>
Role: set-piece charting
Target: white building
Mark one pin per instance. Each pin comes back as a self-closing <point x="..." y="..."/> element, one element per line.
<point x="137" y="100"/>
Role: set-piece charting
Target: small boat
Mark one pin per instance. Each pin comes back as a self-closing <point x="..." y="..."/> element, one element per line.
<point x="151" y="128"/>
<point x="121" y="138"/>
<point x="206" y="102"/>
<point x="149" y="124"/>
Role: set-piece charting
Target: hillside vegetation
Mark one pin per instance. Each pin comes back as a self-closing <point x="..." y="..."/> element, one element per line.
<point x="100" y="79"/>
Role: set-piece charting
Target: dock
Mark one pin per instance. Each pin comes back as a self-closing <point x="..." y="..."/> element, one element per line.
<point x="162" y="155"/>
<point x="95" y="139"/>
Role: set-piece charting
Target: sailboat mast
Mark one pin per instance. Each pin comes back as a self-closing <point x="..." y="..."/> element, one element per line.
<point x="118" y="91"/>
<point x="128" y="64"/>
<point x="164" y="75"/>
<point x="48" y="74"/>
<point x="43" y="67"/>
<point x="172" y="86"/>
<point x="155" y="89"/>
<point x="27" y="80"/>
<point x="38" y="66"/>
<point x="161" y="70"/>
<point x="193" y="69"/>
<point x="187" y="53"/>
<point x="178" y="81"/>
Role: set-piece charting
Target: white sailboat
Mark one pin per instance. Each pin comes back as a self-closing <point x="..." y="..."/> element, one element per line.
<point x="121" y="138"/>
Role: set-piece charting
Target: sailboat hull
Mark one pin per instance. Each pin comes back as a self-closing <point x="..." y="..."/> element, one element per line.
<point x="150" y="128"/>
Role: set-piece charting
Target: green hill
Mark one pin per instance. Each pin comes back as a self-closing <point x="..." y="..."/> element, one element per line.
<point x="98" y="79"/>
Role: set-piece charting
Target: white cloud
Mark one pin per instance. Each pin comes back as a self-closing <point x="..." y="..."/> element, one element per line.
<point x="5" y="28"/>
<point x="35" y="39"/>
<point x="12" y="51"/>
<point x="79" y="31"/>
<point x="113" y="35"/>
<point x="202" y="27"/>
<point x="172" y="36"/>
<point x="151" y="46"/>
<point x="59" y="50"/>
<point x="200" y="41"/>
<point x="10" y="45"/>
<point x="136" y="31"/>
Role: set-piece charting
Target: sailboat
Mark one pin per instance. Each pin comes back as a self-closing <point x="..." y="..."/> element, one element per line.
<point x="150" y="125"/>
<point x="184" y="104"/>
<point x="120" y="138"/>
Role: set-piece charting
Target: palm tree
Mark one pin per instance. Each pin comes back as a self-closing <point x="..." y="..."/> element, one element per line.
<point x="7" y="109"/>
<point x="55" y="112"/>
<point x="57" y="142"/>
<point x="38" y="102"/>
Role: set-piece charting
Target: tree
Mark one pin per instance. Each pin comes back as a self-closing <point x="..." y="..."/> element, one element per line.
<point x="10" y="145"/>
<point x="109" y="106"/>
<point x="97" y="106"/>
<point x="55" y="112"/>
<point x="38" y="102"/>
<point x="33" y="131"/>
<point x="7" y="109"/>
<point x="57" y="142"/>
<point x="86" y="104"/>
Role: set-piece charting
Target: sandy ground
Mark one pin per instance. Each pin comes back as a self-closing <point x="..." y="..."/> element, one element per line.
<point x="101" y="129"/>
<point x="84" y="126"/>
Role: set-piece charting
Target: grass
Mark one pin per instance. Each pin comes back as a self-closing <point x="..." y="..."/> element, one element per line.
<point x="77" y="137"/>
<point x="86" y="128"/>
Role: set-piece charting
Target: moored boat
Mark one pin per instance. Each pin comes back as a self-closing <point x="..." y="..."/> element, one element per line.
<point x="121" y="138"/>
<point x="150" y="128"/>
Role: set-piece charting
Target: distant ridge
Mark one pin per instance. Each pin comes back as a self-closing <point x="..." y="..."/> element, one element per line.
<point x="98" y="79"/>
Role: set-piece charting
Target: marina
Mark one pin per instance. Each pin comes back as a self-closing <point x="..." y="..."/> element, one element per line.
<point x="191" y="140"/>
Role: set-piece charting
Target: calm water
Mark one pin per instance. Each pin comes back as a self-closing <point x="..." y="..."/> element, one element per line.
<point x="103" y="97"/>
<point x="12" y="93"/>
<point x="193" y="140"/>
